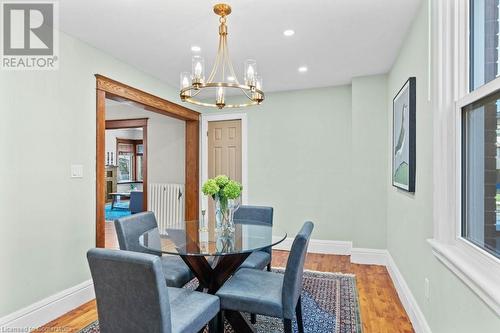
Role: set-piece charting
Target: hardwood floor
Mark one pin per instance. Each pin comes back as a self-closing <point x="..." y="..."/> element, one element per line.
<point x="381" y="309"/>
<point x="110" y="236"/>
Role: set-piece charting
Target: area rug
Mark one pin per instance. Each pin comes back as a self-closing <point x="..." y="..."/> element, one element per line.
<point x="330" y="305"/>
<point x="120" y="210"/>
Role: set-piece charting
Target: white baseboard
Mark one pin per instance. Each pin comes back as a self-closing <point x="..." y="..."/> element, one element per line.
<point x="369" y="256"/>
<point x="318" y="246"/>
<point x="409" y="302"/>
<point x="48" y="309"/>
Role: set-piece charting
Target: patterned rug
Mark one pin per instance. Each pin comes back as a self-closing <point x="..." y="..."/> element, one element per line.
<point x="120" y="210"/>
<point x="329" y="301"/>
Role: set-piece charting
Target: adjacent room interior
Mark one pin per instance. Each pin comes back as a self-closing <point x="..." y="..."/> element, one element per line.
<point x="145" y="165"/>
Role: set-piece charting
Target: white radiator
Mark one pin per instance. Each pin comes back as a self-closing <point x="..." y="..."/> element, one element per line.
<point x="167" y="202"/>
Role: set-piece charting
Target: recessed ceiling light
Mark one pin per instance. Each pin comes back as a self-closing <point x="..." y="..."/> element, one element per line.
<point x="195" y="48"/>
<point x="289" y="32"/>
<point x="302" y="69"/>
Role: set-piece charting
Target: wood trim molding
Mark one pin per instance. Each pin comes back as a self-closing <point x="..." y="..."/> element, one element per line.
<point x="118" y="91"/>
<point x="108" y="88"/>
<point x="126" y="123"/>
<point x="100" y="168"/>
<point x="192" y="175"/>
<point x="134" y="142"/>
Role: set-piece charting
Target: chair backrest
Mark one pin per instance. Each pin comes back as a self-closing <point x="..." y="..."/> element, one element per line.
<point x="130" y="228"/>
<point x="292" y="284"/>
<point x="130" y="290"/>
<point x="136" y="202"/>
<point x="259" y="214"/>
<point x="255" y="213"/>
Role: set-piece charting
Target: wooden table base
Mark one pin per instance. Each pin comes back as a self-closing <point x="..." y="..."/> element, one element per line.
<point x="212" y="279"/>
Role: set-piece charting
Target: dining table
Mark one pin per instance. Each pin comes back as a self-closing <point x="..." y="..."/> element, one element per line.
<point x="214" y="254"/>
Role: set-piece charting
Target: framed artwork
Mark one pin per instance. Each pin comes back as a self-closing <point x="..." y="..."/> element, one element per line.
<point x="403" y="136"/>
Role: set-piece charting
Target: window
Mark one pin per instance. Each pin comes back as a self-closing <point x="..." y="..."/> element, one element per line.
<point x="125" y="162"/>
<point x="481" y="173"/>
<point x="139" y="149"/>
<point x="138" y="163"/>
<point x="130" y="154"/>
<point x="480" y="134"/>
<point x="484" y="28"/>
<point x="465" y="91"/>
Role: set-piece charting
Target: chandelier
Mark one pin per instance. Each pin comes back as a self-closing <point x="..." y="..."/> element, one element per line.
<point x="217" y="84"/>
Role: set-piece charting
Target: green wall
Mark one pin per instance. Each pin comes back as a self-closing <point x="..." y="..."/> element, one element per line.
<point x="369" y="162"/>
<point x="48" y="123"/>
<point x="452" y="306"/>
<point x="319" y="155"/>
<point x="299" y="160"/>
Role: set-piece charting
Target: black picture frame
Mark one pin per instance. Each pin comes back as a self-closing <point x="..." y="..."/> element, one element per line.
<point x="403" y="153"/>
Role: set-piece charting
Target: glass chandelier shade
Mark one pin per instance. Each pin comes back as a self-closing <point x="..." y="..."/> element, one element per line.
<point x="222" y="77"/>
<point x="198" y="69"/>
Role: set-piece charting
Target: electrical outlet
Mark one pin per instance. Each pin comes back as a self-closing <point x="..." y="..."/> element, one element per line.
<point x="427" y="288"/>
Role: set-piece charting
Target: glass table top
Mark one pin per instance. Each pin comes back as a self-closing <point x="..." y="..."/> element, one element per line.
<point x="248" y="236"/>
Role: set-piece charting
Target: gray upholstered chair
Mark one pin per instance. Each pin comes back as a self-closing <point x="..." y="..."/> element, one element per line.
<point x="259" y="259"/>
<point x="132" y="296"/>
<point x="268" y="293"/>
<point x="130" y="228"/>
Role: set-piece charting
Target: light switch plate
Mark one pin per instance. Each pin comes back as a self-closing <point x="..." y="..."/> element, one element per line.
<point x="76" y="171"/>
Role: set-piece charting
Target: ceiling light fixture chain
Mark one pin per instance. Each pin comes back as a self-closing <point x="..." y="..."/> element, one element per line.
<point x="193" y="83"/>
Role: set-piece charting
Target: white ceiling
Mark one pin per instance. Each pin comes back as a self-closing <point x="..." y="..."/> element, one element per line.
<point x="336" y="39"/>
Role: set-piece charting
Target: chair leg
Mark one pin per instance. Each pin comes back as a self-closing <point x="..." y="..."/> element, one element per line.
<point x="213" y="325"/>
<point x="220" y="322"/>
<point x="253" y="318"/>
<point x="298" y="313"/>
<point x="287" y="323"/>
<point x="269" y="267"/>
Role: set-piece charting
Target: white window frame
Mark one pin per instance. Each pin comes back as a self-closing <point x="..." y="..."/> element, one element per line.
<point x="479" y="269"/>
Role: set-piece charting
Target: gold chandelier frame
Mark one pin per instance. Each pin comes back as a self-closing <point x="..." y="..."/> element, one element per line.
<point x="223" y="63"/>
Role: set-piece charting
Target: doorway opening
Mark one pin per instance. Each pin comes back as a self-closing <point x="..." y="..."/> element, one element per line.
<point x="224" y="151"/>
<point x="126" y="167"/>
<point x="143" y="142"/>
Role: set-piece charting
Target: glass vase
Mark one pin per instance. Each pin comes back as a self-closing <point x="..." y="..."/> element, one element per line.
<point x="224" y="212"/>
<point x="225" y="242"/>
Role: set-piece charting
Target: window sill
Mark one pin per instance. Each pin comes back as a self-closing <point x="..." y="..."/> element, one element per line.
<point x="477" y="270"/>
